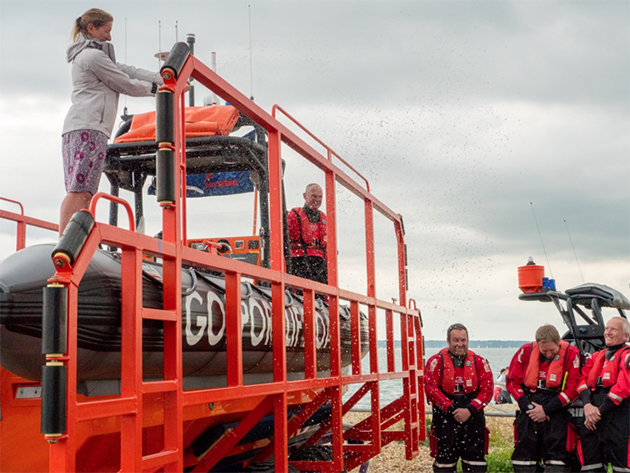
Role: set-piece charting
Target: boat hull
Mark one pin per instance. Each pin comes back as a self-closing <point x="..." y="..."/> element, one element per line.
<point x="24" y="274"/>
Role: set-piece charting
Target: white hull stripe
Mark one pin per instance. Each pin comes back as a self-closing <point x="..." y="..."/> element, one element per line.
<point x="554" y="462"/>
<point x="524" y="462"/>
<point x="622" y="469"/>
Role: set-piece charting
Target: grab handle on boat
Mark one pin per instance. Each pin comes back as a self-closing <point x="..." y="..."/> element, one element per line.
<point x="73" y="239"/>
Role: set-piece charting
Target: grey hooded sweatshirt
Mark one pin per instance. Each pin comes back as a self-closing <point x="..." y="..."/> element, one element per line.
<point x="98" y="80"/>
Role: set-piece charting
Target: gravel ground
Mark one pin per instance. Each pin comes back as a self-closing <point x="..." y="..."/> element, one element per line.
<point x="392" y="458"/>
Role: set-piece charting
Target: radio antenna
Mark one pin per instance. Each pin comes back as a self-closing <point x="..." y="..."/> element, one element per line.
<point x="125" y="109"/>
<point x="541" y="239"/>
<point x="176" y="32"/>
<point x="251" y="67"/>
<point x="159" y="44"/>
<point x="576" y="258"/>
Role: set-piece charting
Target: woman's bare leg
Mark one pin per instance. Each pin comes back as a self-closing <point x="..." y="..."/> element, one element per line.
<point x="73" y="202"/>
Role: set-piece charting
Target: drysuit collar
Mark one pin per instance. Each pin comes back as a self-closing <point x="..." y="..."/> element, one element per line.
<point x="313" y="215"/>
<point x="610" y="351"/>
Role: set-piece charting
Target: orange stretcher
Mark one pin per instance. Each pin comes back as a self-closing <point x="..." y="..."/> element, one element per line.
<point x="200" y="121"/>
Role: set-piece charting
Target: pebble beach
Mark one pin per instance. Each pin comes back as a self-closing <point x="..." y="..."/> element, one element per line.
<point x="392" y="457"/>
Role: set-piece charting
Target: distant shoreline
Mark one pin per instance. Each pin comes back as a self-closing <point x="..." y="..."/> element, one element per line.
<point x="471" y="343"/>
<point x="479" y="343"/>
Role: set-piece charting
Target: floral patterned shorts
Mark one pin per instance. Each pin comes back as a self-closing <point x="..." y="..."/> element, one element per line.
<point x="83" y="159"/>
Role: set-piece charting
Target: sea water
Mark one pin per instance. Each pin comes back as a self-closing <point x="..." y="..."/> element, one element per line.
<point x="390" y="390"/>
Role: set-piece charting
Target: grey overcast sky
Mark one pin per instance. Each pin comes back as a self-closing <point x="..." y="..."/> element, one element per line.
<point x="460" y="113"/>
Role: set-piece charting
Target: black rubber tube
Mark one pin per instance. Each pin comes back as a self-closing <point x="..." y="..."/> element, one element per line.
<point x="164" y="117"/>
<point x="165" y="174"/>
<point x="176" y="59"/>
<point x="54" y="399"/>
<point x="74" y="236"/>
<point x="55" y="320"/>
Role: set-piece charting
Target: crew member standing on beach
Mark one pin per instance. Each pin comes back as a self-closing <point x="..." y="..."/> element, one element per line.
<point x="543" y="378"/>
<point x="604" y="390"/>
<point x="459" y="385"/>
<point x="307" y="235"/>
<point x="97" y="81"/>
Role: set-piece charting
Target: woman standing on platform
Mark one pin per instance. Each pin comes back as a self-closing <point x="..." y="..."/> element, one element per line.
<point x="97" y="80"/>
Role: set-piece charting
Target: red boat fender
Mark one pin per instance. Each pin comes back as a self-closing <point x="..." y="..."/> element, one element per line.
<point x="530" y="277"/>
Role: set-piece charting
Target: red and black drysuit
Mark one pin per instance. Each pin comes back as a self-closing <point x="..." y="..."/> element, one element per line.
<point x="553" y="384"/>
<point x="452" y="382"/>
<point x="605" y="384"/>
<point x="307" y="237"/>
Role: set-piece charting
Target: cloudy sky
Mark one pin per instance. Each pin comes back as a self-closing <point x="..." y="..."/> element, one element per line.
<point x="470" y="118"/>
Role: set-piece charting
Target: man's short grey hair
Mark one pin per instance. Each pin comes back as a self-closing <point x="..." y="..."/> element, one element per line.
<point x="311" y="185"/>
<point x="625" y="325"/>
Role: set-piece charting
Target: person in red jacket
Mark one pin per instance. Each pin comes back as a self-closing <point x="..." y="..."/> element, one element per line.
<point x="307" y="237"/>
<point x="543" y="378"/>
<point x="604" y="390"/>
<point x="458" y="384"/>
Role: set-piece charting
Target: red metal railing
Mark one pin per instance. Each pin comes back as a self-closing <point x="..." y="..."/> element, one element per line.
<point x="276" y="396"/>
<point x="23" y="222"/>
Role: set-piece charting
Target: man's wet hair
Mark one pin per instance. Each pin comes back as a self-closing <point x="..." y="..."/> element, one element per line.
<point x="547" y="333"/>
<point x="456" y="327"/>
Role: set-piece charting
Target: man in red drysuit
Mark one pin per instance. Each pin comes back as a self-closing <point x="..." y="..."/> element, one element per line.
<point x="543" y="379"/>
<point x="458" y="384"/>
<point x="604" y="390"/>
<point x="307" y="237"/>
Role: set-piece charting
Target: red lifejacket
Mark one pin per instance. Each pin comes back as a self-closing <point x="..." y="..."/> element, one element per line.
<point x="555" y="374"/>
<point x="449" y="372"/>
<point x="308" y="238"/>
<point x="609" y="370"/>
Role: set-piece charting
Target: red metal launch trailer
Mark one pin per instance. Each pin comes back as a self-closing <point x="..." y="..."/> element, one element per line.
<point x="287" y="422"/>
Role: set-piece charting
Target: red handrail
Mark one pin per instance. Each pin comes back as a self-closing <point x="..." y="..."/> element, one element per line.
<point x="23" y="221"/>
<point x="118" y="200"/>
<point x="14" y="202"/>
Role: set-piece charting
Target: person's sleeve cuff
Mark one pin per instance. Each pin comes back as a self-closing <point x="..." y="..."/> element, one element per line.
<point x="552" y="406"/>
<point x="523" y="402"/>
<point x="585" y="397"/>
<point x="606" y="406"/>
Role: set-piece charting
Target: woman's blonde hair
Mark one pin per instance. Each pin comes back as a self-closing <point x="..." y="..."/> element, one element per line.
<point x="95" y="16"/>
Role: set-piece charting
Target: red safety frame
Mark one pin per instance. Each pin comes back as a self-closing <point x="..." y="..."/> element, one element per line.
<point x="178" y="405"/>
<point x="23" y="222"/>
